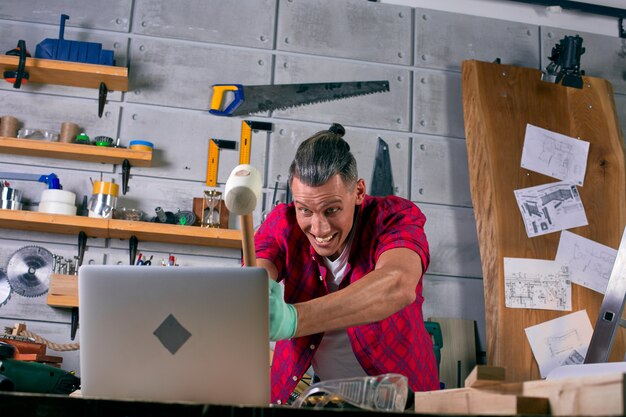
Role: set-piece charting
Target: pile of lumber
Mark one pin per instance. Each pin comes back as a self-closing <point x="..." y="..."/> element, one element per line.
<point x="487" y="392"/>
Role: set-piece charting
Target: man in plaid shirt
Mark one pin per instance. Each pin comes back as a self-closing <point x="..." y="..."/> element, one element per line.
<point x="351" y="265"/>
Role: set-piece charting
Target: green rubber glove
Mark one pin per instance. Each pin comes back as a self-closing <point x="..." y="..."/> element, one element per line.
<point x="283" y="316"/>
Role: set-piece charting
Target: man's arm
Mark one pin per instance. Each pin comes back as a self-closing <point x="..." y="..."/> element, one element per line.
<point x="387" y="289"/>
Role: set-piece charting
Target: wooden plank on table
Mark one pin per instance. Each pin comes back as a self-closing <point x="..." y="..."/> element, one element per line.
<point x="600" y="395"/>
<point x="498" y="102"/>
<point x="472" y="401"/>
<point x="483" y="375"/>
<point x="458" y="354"/>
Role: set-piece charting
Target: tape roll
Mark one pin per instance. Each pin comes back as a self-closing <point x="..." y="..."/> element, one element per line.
<point x="243" y="189"/>
<point x="54" y="207"/>
<point x="140" y="142"/>
<point x="58" y="196"/>
<point x="8" y="126"/>
<point x="140" y="148"/>
<point x="69" y="131"/>
<point x="103" y="187"/>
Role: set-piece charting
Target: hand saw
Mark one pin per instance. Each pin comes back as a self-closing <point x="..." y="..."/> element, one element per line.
<point x="261" y="98"/>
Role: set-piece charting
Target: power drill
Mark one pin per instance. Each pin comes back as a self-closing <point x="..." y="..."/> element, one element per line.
<point x="33" y="376"/>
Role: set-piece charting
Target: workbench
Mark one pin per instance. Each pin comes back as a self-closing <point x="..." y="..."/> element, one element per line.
<point x="31" y="405"/>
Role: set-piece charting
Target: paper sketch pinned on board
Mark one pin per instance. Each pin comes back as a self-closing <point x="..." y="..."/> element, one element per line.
<point x="550" y="207"/>
<point x="537" y="284"/>
<point x="589" y="263"/>
<point x="555" y="155"/>
<point x="562" y="341"/>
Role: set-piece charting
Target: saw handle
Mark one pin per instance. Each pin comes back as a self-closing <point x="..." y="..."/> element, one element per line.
<point x="217" y="100"/>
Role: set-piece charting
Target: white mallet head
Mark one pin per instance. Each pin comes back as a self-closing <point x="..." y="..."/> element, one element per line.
<point x="243" y="189"/>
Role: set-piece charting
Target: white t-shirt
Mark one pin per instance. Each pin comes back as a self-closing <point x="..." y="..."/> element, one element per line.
<point x="334" y="357"/>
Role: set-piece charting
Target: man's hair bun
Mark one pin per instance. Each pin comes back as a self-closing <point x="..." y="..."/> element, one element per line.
<point x="337" y="129"/>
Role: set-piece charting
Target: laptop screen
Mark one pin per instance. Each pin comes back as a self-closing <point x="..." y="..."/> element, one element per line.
<point x="197" y="334"/>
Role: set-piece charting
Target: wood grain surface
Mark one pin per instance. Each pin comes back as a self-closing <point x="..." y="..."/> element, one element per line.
<point x="498" y="102"/>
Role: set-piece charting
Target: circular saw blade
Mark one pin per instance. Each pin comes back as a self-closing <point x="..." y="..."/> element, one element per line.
<point x="5" y="288"/>
<point x="29" y="270"/>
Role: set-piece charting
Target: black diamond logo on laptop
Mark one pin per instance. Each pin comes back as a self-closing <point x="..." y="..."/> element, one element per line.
<point x="172" y="334"/>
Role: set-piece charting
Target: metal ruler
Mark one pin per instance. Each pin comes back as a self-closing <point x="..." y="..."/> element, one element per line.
<point x="213" y="161"/>
<point x="245" y="142"/>
<point x="610" y="311"/>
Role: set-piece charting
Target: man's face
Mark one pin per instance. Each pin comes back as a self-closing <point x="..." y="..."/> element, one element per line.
<point x="326" y="213"/>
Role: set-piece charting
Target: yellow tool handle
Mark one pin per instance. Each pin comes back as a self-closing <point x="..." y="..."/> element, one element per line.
<point x="245" y="142"/>
<point x="217" y="100"/>
<point x="212" y="164"/>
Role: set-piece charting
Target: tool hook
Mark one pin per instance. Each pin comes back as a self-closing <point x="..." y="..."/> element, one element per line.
<point x="20" y="74"/>
<point x="102" y="98"/>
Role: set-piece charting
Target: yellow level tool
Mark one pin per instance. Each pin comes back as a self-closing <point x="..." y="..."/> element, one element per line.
<point x="213" y="161"/>
<point x="245" y="142"/>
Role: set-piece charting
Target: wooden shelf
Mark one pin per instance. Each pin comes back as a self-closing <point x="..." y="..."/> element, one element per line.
<point x="73" y="74"/>
<point x="121" y="229"/>
<point x="75" y="151"/>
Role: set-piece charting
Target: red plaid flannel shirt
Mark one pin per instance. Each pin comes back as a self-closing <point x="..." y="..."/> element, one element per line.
<point x="399" y="343"/>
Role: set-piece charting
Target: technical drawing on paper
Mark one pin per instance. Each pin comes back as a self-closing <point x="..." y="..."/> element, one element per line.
<point x="556" y="155"/>
<point x="551" y="207"/>
<point x="590" y="263"/>
<point x="536" y="284"/>
<point x="562" y="341"/>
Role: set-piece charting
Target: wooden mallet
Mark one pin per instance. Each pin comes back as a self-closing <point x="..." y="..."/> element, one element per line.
<point x="241" y="195"/>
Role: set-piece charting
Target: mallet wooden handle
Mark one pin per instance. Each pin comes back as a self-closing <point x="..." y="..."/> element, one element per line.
<point x="247" y="239"/>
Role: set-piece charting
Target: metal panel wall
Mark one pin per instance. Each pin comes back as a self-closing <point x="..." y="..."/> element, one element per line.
<point x="443" y="40"/>
<point x="177" y="50"/>
<point x="345" y="29"/>
<point x="250" y="23"/>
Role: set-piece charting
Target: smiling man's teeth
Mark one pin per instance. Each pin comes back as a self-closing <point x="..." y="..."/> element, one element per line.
<point x="323" y="240"/>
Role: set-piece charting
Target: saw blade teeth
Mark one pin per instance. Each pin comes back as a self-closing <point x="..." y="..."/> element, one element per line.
<point x="28" y="271"/>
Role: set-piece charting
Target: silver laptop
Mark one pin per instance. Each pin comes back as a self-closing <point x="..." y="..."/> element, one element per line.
<point x="197" y="334"/>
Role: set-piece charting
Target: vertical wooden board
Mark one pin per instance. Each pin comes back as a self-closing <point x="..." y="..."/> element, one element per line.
<point x="440" y="173"/>
<point x="604" y="56"/>
<point x="55" y="332"/>
<point x="385" y="110"/>
<point x="620" y="108"/>
<point x="191" y="132"/>
<point x="243" y="23"/>
<point x="11" y="32"/>
<point x="455" y="297"/>
<point x="85" y="14"/>
<point x="499" y="101"/>
<point x="362" y="143"/>
<point x="444" y="39"/>
<point x="437" y="105"/>
<point x="48" y="112"/>
<point x="180" y="74"/>
<point x="458" y="353"/>
<point x="451" y="233"/>
<point x="345" y="30"/>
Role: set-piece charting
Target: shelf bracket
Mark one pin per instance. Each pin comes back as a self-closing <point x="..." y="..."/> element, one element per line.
<point x="102" y="98"/>
<point x="132" y="246"/>
<point x="620" y="28"/>
<point x="82" y="244"/>
<point x="125" y="175"/>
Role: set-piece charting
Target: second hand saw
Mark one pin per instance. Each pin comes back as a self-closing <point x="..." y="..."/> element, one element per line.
<point x="261" y="98"/>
